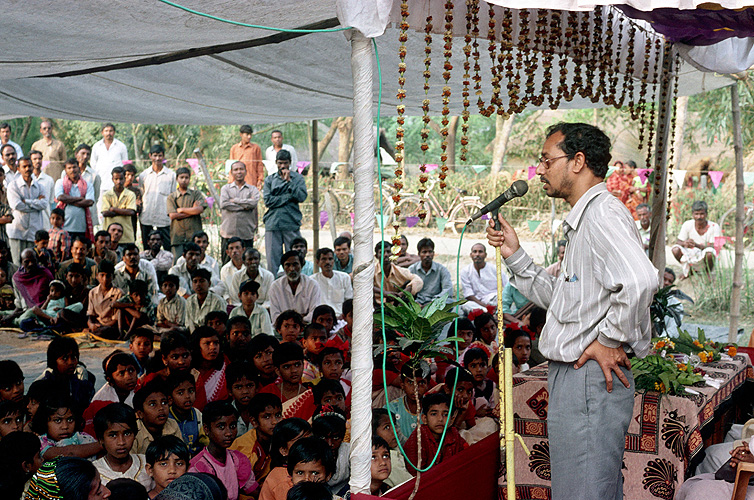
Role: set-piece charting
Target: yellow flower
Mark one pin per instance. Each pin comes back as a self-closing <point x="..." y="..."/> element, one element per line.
<point x="732" y="350"/>
<point x="682" y="367"/>
<point x="703" y="356"/>
<point x="697" y="343"/>
<point x="660" y="344"/>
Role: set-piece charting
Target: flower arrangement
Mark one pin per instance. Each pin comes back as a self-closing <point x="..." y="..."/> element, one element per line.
<point x="657" y="373"/>
<point x="707" y="350"/>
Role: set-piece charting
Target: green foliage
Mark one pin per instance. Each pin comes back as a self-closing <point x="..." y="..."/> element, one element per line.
<point x="655" y="373"/>
<point x="662" y="307"/>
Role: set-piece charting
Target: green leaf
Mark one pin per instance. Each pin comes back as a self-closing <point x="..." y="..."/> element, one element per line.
<point x="433" y="306"/>
<point x="441" y="318"/>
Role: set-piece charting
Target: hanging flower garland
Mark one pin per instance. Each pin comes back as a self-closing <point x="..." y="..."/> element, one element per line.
<point x="608" y="55"/>
<point x="556" y="46"/>
<point x="585" y="83"/>
<point x="640" y="107"/>
<point x="399" y="131"/>
<point x="652" y="109"/>
<point x="470" y="5"/>
<point x="671" y="153"/>
<point x="447" y="67"/>
<point x="529" y="57"/>
<point x="423" y="177"/>
<point x="495" y="81"/>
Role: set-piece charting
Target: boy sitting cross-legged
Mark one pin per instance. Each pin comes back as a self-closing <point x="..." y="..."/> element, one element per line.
<point x="167" y="460"/>
<point x="231" y="467"/>
<point x="115" y="426"/>
<point x="152" y="408"/>
<point x="435" y="411"/>
<point x="265" y="412"/>
<point x="171" y="310"/>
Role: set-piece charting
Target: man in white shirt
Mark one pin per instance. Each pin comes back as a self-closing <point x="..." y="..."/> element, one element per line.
<point x="5" y="139"/>
<point x="335" y="286"/>
<point x="294" y="290"/>
<point x="28" y="200"/>
<point x="157" y="182"/>
<point x="108" y="153"/>
<point x="44" y="180"/>
<point x="251" y="271"/>
<point x="10" y="162"/>
<point x="479" y="281"/>
<point x="276" y="137"/>
<point x="234" y="251"/>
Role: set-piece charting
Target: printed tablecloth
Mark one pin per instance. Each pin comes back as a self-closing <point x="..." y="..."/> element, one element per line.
<point x="664" y="434"/>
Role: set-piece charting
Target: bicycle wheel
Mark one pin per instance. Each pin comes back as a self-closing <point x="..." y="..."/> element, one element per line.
<point x="410" y="208"/>
<point x="462" y="213"/>
<point x="728" y="224"/>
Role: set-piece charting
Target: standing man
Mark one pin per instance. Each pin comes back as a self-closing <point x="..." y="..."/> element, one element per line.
<point x="276" y="137"/>
<point x="44" y="180"/>
<point x="185" y="207"/>
<point x="118" y="205"/>
<point x="283" y="191"/>
<point x="5" y="139"/>
<point x="108" y="153"/>
<point x="75" y="196"/>
<point x="28" y="200"/>
<point x="83" y="153"/>
<point x="598" y="312"/>
<point x="479" y="281"/>
<point x="10" y="160"/>
<point x="251" y="155"/>
<point x="52" y="150"/>
<point x="238" y="206"/>
<point x="157" y="182"/>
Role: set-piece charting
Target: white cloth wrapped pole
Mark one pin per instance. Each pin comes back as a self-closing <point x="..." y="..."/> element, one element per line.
<point x="363" y="264"/>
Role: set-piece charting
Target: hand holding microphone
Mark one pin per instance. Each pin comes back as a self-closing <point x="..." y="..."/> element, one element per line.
<point x="517" y="189"/>
<point x="505" y="238"/>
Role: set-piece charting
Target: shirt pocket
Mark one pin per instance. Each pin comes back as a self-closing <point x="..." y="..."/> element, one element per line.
<point x="566" y="301"/>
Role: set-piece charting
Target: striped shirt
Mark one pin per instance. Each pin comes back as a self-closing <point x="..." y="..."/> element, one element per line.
<point x="605" y="286"/>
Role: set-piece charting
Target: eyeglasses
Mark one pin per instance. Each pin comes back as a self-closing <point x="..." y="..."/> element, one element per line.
<point x="547" y="161"/>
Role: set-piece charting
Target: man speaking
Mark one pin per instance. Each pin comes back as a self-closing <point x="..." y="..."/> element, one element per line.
<point x="598" y="314"/>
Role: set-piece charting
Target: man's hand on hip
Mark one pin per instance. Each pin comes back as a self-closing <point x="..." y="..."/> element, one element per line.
<point x="609" y="359"/>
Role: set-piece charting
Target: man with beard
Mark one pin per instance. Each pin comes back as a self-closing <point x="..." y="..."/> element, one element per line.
<point x="335" y="285"/>
<point x="479" y="281"/>
<point x="435" y="276"/>
<point x="251" y="271"/>
<point x="5" y="131"/>
<point x="132" y="268"/>
<point x="294" y="290"/>
<point x="161" y="259"/>
<point x="83" y="153"/>
<point x="598" y="311"/>
<point x="10" y="159"/>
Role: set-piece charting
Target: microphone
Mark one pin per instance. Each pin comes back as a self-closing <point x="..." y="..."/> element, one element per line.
<point x="517" y="189"/>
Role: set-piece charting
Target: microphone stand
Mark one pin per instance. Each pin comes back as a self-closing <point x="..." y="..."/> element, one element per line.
<point x="505" y="380"/>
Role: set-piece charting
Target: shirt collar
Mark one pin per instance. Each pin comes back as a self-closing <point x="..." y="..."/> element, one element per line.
<point x="577" y="212"/>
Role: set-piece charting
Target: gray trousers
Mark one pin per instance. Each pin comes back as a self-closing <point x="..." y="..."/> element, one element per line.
<point x="587" y="429"/>
<point x="16" y="247"/>
<point x="273" y="245"/>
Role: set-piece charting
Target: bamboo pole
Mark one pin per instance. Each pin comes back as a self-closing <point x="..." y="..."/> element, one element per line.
<point x="315" y="192"/>
<point x="735" y="293"/>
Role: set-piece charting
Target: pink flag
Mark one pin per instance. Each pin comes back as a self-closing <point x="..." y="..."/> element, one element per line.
<point x="720" y="242"/>
<point x="351" y="214"/>
<point x="302" y="165"/>
<point x="194" y="164"/>
<point x="486" y="217"/>
<point x="643" y="174"/>
<point x="411" y="221"/>
<point x="323" y="218"/>
<point x="715" y="176"/>
<point x="431" y="167"/>
<point x="532" y="172"/>
<point x="210" y="201"/>
<point x="125" y="162"/>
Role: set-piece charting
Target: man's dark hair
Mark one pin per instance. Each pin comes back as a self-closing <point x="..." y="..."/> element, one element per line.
<point x="114" y="224"/>
<point x="340" y="240"/>
<point x="347" y="307"/>
<point x="246" y="129"/>
<point x="425" y="243"/>
<point x="130" y="247"/>
<point x="58" y="211"/>
<point x="378" y="248"/>
<point x="307" y="490"/>
<point x="261" y="401"/>
<point x="311" y="449"/>
<point x="155" y="386"/>
<point x="128" y="167"/>
<point x="157" y="148"/>
<point x="283" y="155"/>
<point x="198" y="235"/>
<point x="191" y="247"/>
<point x="289" y="314"/>
<point x="82" y="239"/>
<point x="155" y="232"/>
<point x="298" y="240"/>
<point x="114" y="413"/>
<point x="200" y="272"/>
<point x="164" y="446"/>
<point x="14" y="149"/>
<point x="118" y="170"/>
<point x="107" y="125"/>
<point x="587" y="139"/>
<point x="82" y="146"/>
<point x="290" y="253"/>
<point x="5" y="125"/>
<point x="321" y="252"/>
<point x="34" y="152"/>
<point x="324" y="386"/>
<point x="234" y="239"/>
<point x="436" y="398"/>
<point x="101" y="233"/>
<point x="276" y="131"/>
<point x="69" y="161"/>
<point x="183" y="170"/>
<point x="670" y="272"/>
<point x="41" y="235"/>
<point x="287" y="351"/>
<point x="250" y="252"/>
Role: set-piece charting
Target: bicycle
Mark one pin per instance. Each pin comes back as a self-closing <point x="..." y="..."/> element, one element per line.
<point x="458" y="212"/>
<point x="342" y="203"/>
<point x="728" y="223"/>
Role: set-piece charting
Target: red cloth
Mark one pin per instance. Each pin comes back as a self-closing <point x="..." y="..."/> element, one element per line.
<point x="81" y="184"/>
<point x="452" y="445"/>
<point x="450" y="479"/>
<point x="217" y="393"/>
<point x="302" y="406"/>
<point x="34" y="286"/>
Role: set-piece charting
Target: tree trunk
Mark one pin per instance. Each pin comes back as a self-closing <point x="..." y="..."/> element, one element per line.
<point x="345" y="143"/>
<point x="325" y="141"/>
<point x="452" y="134"/>
<point x="25" y="131"/>
<point x="681" y="106"/>
<point x="503" y="130"/>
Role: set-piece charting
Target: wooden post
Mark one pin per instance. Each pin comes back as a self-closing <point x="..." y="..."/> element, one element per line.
<point x="735" y="293"/>
<point x="658" y="227"/>
<point x="315" y="193"/>
<point x="208" y="179"/>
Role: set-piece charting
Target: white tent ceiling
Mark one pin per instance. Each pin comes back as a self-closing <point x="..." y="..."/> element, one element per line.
<point x="300" y="78"/>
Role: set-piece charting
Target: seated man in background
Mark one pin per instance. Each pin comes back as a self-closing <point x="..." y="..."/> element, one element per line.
<point x="294" y="290"/>
<point x="554" y="268"/>
<point x="335" y="285"/>
<point x="343" y="255"/>
<point x="479" y="281"/>
<point x="695" y="247"/>
<point x="643" y="223"/>
<point x="405" y="259"/>
<point x="301" y="246"/>
<point x="161" y="259"/>
<point x="397" y="279"/>
<point x="435" y="277"/>
<point x="251" y="271"/>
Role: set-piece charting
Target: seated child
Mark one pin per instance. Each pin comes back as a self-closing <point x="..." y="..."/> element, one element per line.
<point x="46" y="315"/>
<point x="7" y="302"/>
<point x="141" y="345"/>
<point x="60" y="240"/>
<point x="382" y="428"/>
<point x="325" y="315"/>
<point x="261" y="349"/>
<point x="136" y="309"/>
<point x="476" y="361"/>
<point x="209" y="360"/>
<point x="288" y="326"/>
<point x="57" y="424"/>
<point x="381" y="467"/>
<point x="151" y="405"/>
<point x="288" y="433"/>
<point x="345" y="333"/>
<point x="238" y="336"/>
<point x="11" y="381"/>
<point x="520" y="341"/>
<point x="265" y="412"/>
<point x="330" y="425"/>
<point x="231" y="467"/>
<point x="307" y="490"/>
<point x="38" y="392"/>
<point x="248" y="292"/>
<point x="310" y="460"/>
<point x="175" y="356"/>
<point x="121" y="377"/>
<point x="103" y="315"/>
<point x="19" y="460"/>
<point x="465" y="331"/>
<point x="12" y="417"/>
<point x="289" y="365"/>
<point x="171" y="310"/>
<point x="65" y="376"/>
<point x="333" y="360"/>
<point x="202" y="301"/>
<point x="405" y="408"/>
<point x="241" y="379"/>
<point x="315" y="336"/>
<point x="330" y="393"/>
<point x="167" y="460"/>
<point x="217" y="320"/>
<point x="115" y="426"/>
<point x="181" y="387"/>
<point x="435" y="412"/>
